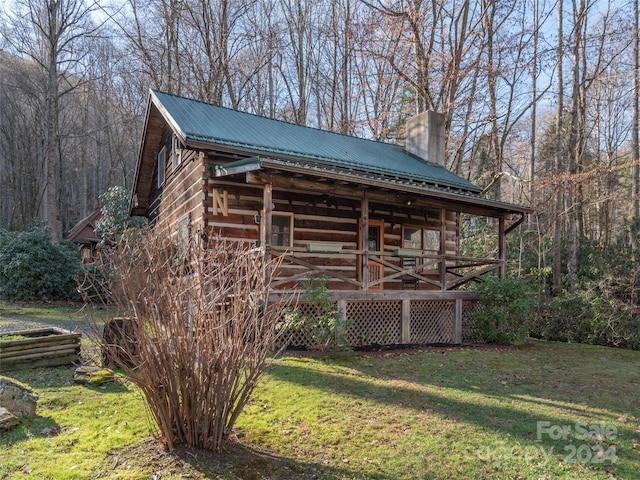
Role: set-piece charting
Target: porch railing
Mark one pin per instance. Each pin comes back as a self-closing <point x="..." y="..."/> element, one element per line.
<point x="439" y="272"/>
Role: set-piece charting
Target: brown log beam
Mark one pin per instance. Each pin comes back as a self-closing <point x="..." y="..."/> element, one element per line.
<point x="427" y="199"/>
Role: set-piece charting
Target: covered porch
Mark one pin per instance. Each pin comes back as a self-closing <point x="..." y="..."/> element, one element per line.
<point x="392" y="251"/>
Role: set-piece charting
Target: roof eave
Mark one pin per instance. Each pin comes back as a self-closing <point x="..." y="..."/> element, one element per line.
<point x="260" y="163"/>
<point x="136" y="178"/>
<point x="175" y="127"/>
<point x="231" y="148"/>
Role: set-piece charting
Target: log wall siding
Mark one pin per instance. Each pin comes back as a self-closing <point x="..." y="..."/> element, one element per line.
<point x="245" y="202"/>
<point x="155" y="198"/>
<point x="315" y="221"/>
<point x="182" y="195"/>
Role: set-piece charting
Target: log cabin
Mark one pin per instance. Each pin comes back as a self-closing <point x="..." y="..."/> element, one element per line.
<point x="381" y="222"/>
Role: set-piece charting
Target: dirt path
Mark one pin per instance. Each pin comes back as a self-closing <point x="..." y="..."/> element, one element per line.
<point x="14" y="323"/>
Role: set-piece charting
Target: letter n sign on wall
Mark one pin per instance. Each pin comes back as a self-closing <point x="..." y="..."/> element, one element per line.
<point x="221" y="201"/>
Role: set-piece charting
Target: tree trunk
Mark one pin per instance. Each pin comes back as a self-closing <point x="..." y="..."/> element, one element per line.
<point x="51" y="203"/>
<point x="635" y="142"/>
<point x="558" y="207"/>
<point x="534" y="105"/>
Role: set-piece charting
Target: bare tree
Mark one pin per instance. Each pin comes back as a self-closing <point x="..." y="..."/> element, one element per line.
<point x="302" y="30"/>
<point x="576" y="140"/>
<point x="334" y="83"/>
<point x="609" y="101"/>
<point x="438" y="40"/>
<point x="635" y="135"/>
<point x="21" y="157"/>
<point x="534" y="103"/>
<point x="380" y="86"/>
<point x="152" y="32"/>
<point x="259" y="83"/>
<point x="213" y="40"/>
<point x="507" y="55"/>
<point x="558" y="205"/>
<point x="53" y="33"/>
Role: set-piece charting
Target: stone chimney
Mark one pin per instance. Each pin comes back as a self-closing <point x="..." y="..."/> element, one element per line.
<point x="425" y="137"/>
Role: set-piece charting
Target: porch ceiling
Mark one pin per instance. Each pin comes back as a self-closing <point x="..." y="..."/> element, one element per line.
<point x="348" y="182"/>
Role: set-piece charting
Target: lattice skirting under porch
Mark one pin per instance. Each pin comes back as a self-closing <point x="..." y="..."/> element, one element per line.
<point x="392" y="322"/>
<point x="469" y="328"/>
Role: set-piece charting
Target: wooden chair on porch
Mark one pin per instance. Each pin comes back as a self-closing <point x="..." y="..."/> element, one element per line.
<point x="409" y="263"/>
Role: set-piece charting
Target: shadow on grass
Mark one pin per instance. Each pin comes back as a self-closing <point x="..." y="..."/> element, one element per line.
<point x="564" y="376"/>
<point x="517" y="412"/>
<point x="30" y="428"/>
<point x="236" y="461"/>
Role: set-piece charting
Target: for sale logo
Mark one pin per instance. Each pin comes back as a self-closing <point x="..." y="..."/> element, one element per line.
<point x="597" y="441"/>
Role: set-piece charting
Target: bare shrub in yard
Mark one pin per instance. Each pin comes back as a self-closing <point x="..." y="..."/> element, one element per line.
<point x="203" y="328"/>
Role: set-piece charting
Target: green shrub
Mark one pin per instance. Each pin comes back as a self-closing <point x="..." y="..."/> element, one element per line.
<point x="590" y="316"/>
<point x="115" y="215"/>
<point x="614" y="323"/>
<point x="324" y="326"/>
<point x="507" y="307"/>
<point x="566" y="318"/>
<point x="33" y="267"/>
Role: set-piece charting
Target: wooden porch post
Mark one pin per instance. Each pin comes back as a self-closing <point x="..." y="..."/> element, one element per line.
<point x="265" y="230"/>
<point x="364" y="235"/>
<point x="457" y="321"/>
<point x="342" y="311"/>
<point x="405" y="333"/>
<point x="443" y="248"/>
<point x="502" y="248"/>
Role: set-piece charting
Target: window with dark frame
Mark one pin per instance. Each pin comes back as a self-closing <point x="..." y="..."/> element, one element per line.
<point x="162" y="166"/>
<point x="420" y="238"/>
<point x="176" y="153"/>
<point x="282" y="230"/>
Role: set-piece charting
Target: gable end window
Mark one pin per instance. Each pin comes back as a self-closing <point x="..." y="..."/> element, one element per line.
<point x="176" y="153"/>
<point x="162" y="166"/>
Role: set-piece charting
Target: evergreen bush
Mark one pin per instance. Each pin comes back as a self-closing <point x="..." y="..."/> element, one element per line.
<point x="590" y="316"/>
<point x="115" y="215"/>
<point x="566" y="318"/>
<point x="507" y="307"/>
<point x="33" y="267"/>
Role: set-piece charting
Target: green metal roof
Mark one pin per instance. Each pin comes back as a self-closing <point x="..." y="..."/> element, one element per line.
<point x="197" y="121"/>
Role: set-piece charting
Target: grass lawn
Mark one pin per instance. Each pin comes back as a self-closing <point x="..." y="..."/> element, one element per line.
<point x="541" y="411"/>
<point x="71" y="316"/>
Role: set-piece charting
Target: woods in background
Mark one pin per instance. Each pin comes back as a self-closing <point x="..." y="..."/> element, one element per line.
<point x="540" y="97"/>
